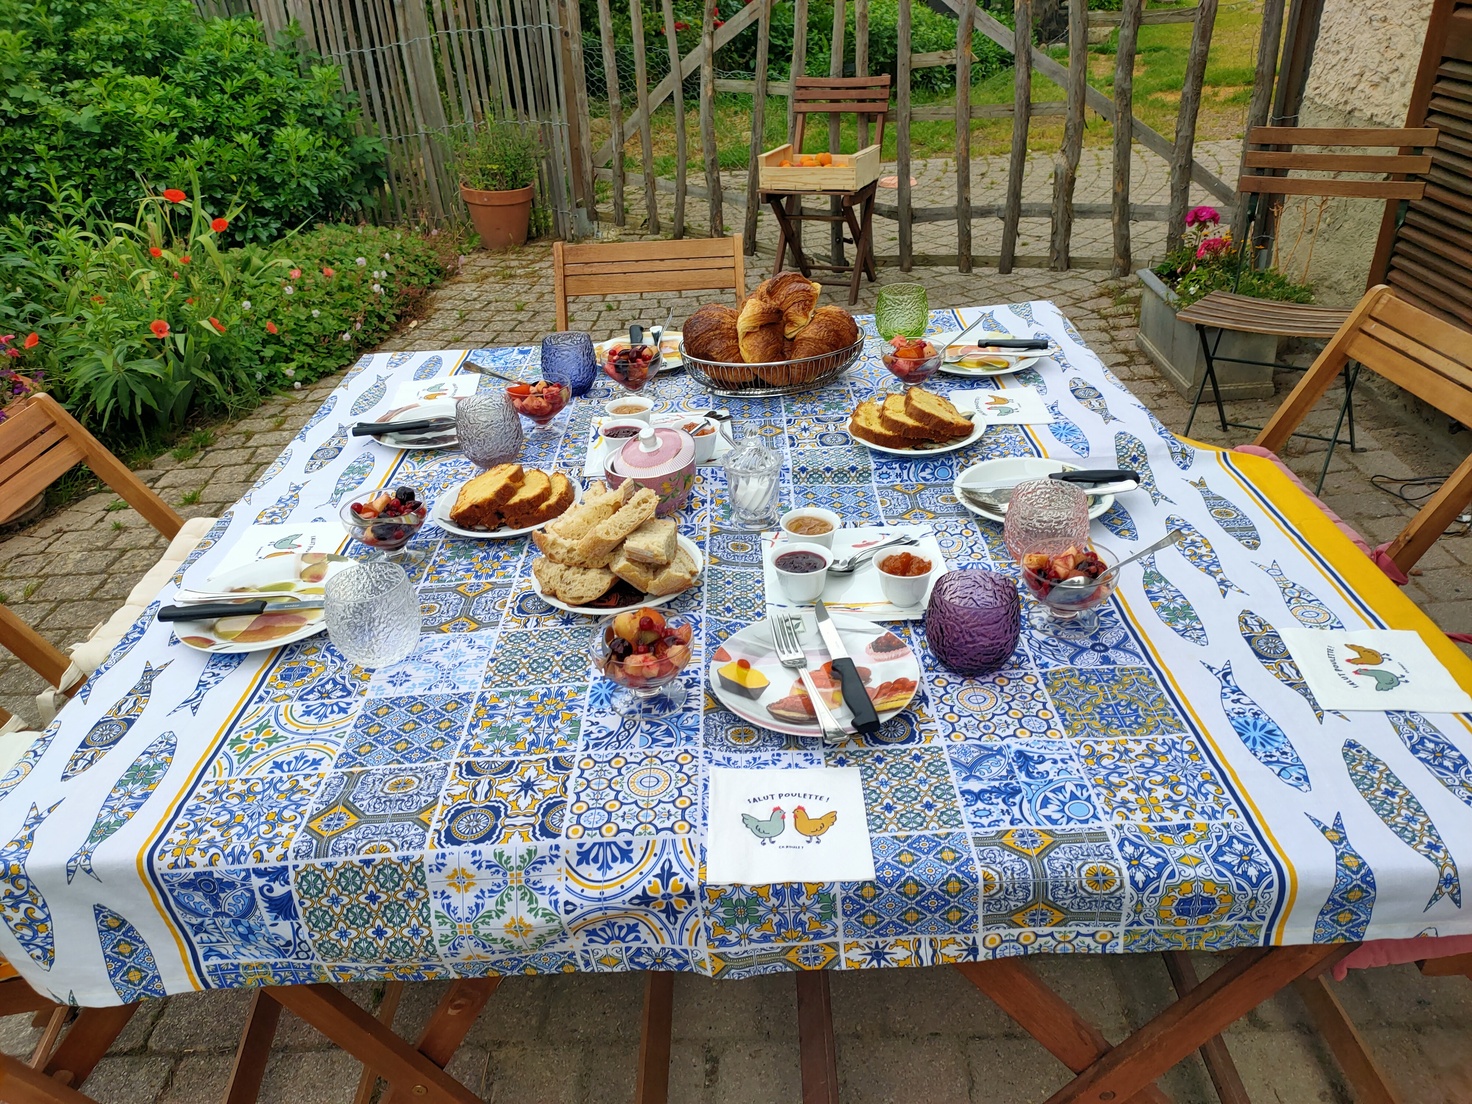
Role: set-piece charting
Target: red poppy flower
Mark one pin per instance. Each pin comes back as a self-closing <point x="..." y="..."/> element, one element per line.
<point x="160" y="328"/>
<point x="155" y="251"/>
<point x="271" y="328"/>
<point x="295" y="274"/>
<point x="215" y="322"/>
<point x="681" y="26"/>
<point x="32" y="340"/>
<point x="189" y="302"/>
<point x="219" y="225"/>
<point x="328" y="273"/>
<point x="184" y="259"/>
<point x="174" y="195"/>
<point x="97" y="299"/>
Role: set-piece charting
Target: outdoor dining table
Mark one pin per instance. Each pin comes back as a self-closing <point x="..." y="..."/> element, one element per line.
<point x="194" y="822"/>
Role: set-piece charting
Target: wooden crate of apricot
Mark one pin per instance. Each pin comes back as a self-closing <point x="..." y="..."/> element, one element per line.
<point x="780" y="170"/>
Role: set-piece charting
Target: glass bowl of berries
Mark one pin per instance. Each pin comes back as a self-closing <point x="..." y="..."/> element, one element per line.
<point x="913" y="360"/>
<point x="385" y="521"/>
<point x="632" y="366"/>
<point x="1070" y="586"/>
<point x="644" y="651"/>
<point x="540" y="401"/>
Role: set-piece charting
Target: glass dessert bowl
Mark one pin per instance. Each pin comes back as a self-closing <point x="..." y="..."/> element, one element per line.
<point x="541" y="401"/>
<point x="385" y="520"/>
<point x="1070" y="586"/>
<point x="643" y="651"/>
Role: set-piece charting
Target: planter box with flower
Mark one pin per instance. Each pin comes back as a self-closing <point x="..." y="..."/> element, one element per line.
<point x="1208" y="261"/>
<point x="498" y="162"/>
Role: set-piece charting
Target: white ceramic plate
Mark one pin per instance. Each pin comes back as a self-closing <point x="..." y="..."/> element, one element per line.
<point x="688" y="545"/>
<point x="276" y="577"/>
<point x="754" y="644"/>
<point x="669" y="348"/>
<point x="1018" y="469"/>
<point x="966" y="372"/>
<point x="440" y="515"/>
<point x="429" y="408"/>
<point x="950" y="446"/>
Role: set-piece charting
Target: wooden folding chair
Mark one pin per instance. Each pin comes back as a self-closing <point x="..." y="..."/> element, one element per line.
<point x="612" y="268"/>
<point x="866" y="98"/>
<point x="53" y="1073"/>
<point x="1263" y="178"/>
<point x="40" y="442"/>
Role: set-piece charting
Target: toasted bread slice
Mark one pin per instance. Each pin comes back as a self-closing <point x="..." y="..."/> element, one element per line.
<point x="478" y="505"/>
<point x="577" y="586"/>
<point x="678" y="576"/>
<point x="865" y="425"/>
<point x="561" y="498"/>
<point x="613" y="532"/>
<point x="893" y="417"/>
<point x="640" y="576"/>
<point x="535" y="489"/>
<point x="653" y="542"/>
<point x="936" y="413"/>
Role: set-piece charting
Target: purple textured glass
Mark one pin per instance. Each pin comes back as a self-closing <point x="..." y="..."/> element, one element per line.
<point x="567" y="357"/>
<point x="973" y="620"/>
<point x="489" y="428"/>
<point x="1045" y="515"/>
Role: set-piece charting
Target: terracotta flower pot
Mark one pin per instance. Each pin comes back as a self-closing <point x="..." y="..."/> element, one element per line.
<point x="500" y="218"/>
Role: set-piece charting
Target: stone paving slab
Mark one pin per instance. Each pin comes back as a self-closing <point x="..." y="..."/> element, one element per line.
<point x="902" y="1034"/>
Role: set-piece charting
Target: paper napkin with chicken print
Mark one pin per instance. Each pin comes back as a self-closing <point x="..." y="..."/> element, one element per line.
<point x="1374" y="669"/>
<point x="804" y="825"/>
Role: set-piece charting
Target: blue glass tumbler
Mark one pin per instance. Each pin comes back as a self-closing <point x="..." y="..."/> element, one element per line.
<point x="567" y="358"/>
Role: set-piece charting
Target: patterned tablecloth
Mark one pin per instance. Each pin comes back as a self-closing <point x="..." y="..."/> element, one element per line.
<point x="190" y="823"/>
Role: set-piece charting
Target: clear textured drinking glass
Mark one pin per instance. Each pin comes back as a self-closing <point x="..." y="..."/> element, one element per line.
<point x="1045" y="515"/>
<point x="489" y="428"/>
<point x="372" y="613"/>
<point x="753" y="482"/>
<point x="902" y="309"/>
<point x="567" y="358"/>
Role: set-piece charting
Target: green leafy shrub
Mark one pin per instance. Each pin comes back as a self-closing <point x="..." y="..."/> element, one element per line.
<point x="498" y="156"/>
<point x="118" y="97"/>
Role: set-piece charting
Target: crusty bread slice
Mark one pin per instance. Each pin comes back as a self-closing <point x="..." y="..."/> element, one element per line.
<point x="677" y="577"/>
<point x="583" y="518"/>
<point x="564" y="551"/>
<point x="612" y="533"/>
<point x="478" y="505"/>
<point x="865" y="425"/>
<point x="936" y="413"/>
<point x="893" y="417"/>
<point x="653" y="542"/>
<point x="640" y="576"/>
<point x="577" y="586"/>
<point x="535" y="489"/>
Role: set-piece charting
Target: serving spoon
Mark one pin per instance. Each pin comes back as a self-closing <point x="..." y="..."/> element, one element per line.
<point x="1078" y="583"/>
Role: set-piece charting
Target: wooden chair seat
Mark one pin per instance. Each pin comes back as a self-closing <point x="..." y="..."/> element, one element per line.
<point x="606" y="269"/>
<point x="1244" y="314"/>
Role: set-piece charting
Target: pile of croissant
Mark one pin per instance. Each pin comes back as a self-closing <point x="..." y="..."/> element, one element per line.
<point x="779" y="323"/>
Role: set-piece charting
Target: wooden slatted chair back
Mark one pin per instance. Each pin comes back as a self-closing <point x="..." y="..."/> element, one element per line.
<point x="864" y="97"/>
<point x="604" y="269"/>
<point x="1418" y="352"/>
<point x="1272" y="153"/>
<point x="40" y="442"/>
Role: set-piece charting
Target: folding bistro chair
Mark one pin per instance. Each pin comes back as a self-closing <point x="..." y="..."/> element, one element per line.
<point x="866" y="98"/>
<point x="1265" y="168"/>
<point x="604" y="269"/>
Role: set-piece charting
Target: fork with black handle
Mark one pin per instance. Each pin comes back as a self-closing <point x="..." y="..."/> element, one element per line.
<point x="791" y="655"/>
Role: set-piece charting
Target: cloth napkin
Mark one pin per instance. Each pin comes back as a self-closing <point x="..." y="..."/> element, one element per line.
<point x="1374" y="670"/>
<point x="805" y="825"/>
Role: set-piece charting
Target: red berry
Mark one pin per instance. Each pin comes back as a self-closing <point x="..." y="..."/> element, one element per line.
<point x="744" y="664"/>
<point x="646" y="623"/>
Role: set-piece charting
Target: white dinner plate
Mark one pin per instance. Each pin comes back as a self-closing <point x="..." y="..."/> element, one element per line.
<point x="754" y="644"/>
<point x="669" y="348"/>
<point x="1018" y="469"/>
<point x="440" y="515"/>
<point x="434" y="439"/>
<point x="597" y="611"/>
<point x="966" y="372"/>
<point x="275" y="578"/>
<point x="950" y="446"/>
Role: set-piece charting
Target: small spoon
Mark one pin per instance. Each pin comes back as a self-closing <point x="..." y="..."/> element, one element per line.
<point x="1079" y="584"/>
<point x="849" y="564"/>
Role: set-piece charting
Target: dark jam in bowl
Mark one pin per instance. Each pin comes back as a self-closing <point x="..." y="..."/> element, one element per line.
<point x="799" y="563"/>
<point x="621" y="431"/>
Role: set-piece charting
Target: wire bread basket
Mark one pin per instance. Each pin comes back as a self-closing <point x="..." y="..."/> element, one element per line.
<point x="783" y="377"/>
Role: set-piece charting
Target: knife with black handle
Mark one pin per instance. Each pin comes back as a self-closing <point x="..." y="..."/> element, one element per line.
<point x="422" y="425"/>
<point x="1010" y="342"/>
<point x="210" y="611"/>
<point x="1091" y="476"/>
<point x="855" y="694"/>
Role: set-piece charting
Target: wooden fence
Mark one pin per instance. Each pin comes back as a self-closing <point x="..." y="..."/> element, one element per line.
<point x="425" y="69"/>
<point x="1080" y="96"/>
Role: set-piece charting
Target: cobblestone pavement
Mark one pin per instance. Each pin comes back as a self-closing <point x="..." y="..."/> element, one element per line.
<point x="574" y="1039"/>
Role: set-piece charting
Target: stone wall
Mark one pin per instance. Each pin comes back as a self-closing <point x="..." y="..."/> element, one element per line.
<point x="1364" y="64"/>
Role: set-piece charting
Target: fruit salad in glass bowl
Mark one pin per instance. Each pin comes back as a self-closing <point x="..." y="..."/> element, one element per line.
<point x="1069" y="586"/>
<point x="385" y="520"/>
<point x="913" y="360"/>
<point x="632" y="366"/>
<point x="643" y="651"/>
<point x="541" y="401"/>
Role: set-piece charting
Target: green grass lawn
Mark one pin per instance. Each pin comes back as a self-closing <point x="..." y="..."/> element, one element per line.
<point x="1160" y="65"/>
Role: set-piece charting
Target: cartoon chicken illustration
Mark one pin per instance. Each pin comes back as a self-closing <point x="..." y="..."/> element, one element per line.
<point x="1384" y="680"/>
<point x="1365" y="657"/>
<point x="812" y="827"/>
<point x="769" y="829"/>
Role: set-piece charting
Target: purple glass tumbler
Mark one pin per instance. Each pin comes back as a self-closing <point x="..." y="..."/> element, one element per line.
<point x="567" y="358"/>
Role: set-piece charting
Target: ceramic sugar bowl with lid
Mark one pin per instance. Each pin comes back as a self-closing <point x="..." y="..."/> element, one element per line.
<point x="660" y="458"/>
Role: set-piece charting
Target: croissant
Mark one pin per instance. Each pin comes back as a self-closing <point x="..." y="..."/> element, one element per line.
<point x="795" y="295"/>
<point x="831" y="330"/>
<point x="710" y="334"/>
<point x="759" y="331"/>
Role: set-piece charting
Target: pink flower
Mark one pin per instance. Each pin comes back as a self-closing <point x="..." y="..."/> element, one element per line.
<point x="1212" y="247"/>
<point x="1203" y="216"/>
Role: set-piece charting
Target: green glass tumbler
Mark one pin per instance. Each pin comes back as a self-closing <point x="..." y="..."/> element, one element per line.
<point x="902" y="310"/>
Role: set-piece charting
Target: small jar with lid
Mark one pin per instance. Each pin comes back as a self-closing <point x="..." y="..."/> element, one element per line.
<point x="753" y="476"/>
<point x="660" y="458"/>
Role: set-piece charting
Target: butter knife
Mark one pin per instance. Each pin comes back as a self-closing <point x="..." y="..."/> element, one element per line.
<point x="855" y="696"/>
<point x="211" y="611"/>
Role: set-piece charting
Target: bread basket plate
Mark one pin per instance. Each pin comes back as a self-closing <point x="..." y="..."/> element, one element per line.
<point x="417" y="411"/>
<point x="691" y="549"/>
<point x="874" y="648"/>
<point x="936" y="450"/>
<point x="669" y="348"/>
<point x="795" y="377"/>
<point x="1017" y="469"/>
<point x="440" y="515"/>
